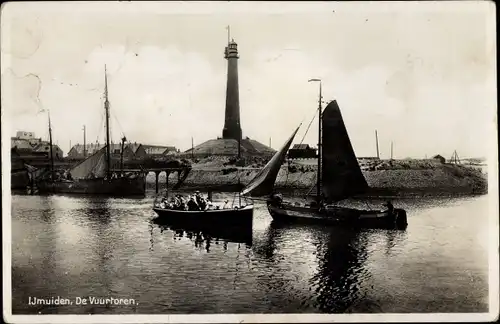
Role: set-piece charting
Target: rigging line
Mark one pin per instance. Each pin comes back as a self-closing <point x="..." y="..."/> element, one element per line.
<point x="119" y="125"/>
<point x="101" y="124"/>
<point x="308" y="126"/>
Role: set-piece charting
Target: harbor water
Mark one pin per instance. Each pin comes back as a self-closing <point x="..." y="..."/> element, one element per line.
<point x="85" y="247"/>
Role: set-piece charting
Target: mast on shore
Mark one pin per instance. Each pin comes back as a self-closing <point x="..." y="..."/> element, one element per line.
<point x="318" y="182"/>
<point x="51" y="151"/>
<point x="121" y="155"/>
<point x="84" y="143"/>
<point x="106" y="107"/>
<point x="376" y="143"/>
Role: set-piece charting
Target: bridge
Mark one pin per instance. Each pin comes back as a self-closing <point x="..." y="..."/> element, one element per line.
<point x="182" y="167"/>
<point x="182" y="173"/>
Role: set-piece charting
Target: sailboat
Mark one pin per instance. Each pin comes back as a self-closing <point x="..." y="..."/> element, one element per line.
<point x="93" y="175"/>
<point x="240" y="214"/>
<point x="338" y="177"/>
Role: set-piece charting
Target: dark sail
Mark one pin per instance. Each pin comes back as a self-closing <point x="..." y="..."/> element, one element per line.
<point x="341" y="174"/>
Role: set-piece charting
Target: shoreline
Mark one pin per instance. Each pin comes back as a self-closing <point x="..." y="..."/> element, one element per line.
<point x="401" y="181"/>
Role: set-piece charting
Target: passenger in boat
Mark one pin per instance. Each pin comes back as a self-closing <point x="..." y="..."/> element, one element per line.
<point x="192" y="205"/>
<point x="163" y="203"/>
<point x="182" y="205"/>
<point x="390" y="208"/>
<point x="203" y="204"/>
<point x="197" y="197"/>
<point x="210" y="205"/>
<point x="201" y="201"/>
<point x="276" y="199"/>
<point x="225" y="204"/>
<point x="176" y="202"/>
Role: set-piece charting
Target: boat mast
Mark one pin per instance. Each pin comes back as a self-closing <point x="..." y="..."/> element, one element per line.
<point x="121" y="155"/>
<point x="51" y="151"/>
<point x="106" y="108"/>
<point x="192" y="148"/>
<point x="320" y="149"/>
<point x="318" y="177"/>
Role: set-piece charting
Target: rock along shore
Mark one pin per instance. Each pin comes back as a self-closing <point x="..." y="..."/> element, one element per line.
<point x="396" y="178"/>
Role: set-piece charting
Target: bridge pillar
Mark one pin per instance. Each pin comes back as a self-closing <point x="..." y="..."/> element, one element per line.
<point x="167" y="173"/>
<point x="157" y="175"/>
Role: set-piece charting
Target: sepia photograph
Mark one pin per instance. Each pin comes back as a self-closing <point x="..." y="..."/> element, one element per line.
<point x="231" y="162"/>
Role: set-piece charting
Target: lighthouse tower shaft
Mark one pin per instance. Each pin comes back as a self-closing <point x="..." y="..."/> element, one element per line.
<point x="232" y="127"/>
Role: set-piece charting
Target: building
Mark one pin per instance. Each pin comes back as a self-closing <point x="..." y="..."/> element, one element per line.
<point x="23" y="135"/>
<point x="43" y="148"/>
<point x="144" y="151"/>
<point x="80" y="152"/>
<point x="77" y="151"/>
<point x="232" y="142"/>
<point x="134" y="146"/>
<point x="21" y="146"/>
<point x="439" y="159"/>
<point x="27" y="145"/>
<point x="302" y="151"/>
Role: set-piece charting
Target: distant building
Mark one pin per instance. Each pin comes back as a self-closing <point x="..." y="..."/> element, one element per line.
<point x="25" y="135"/>
<point x="77" y="152"/>
<point x="301" y="151"/>
<point x="43" y="148"/>
<point x="25" y="144"/>
<point x="439" y="158"/>
<point x="21" y="146"/>
<point x="143" y="151"/>
<point x="134" y="146"/>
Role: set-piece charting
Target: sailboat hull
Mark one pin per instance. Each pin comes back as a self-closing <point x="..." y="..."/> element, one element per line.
<point x="115" y="187"/>
<point x="334" y="215"/>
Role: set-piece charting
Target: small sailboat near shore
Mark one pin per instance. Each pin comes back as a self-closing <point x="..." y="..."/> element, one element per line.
<point x="339" y="177"/>
<point x="240" y="214"/>
<point x="93" y="176"/>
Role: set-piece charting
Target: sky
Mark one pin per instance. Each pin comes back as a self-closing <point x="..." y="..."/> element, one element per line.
<point x="422" y="74"/>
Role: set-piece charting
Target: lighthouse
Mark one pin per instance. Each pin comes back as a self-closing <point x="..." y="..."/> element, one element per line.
<point x="232" y="127"/>
<point x="232" y="142"/>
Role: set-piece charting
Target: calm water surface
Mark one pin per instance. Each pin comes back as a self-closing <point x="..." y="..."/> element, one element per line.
<point x="80" y="247"/>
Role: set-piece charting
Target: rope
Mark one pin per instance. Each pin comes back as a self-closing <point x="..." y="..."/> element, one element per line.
<point x="119" y="125"/>
<point x="303" y="137"/>
<point x="101" y="124"/>
<point x="310" y="123"/>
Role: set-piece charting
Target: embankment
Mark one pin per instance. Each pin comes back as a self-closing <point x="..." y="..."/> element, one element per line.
<point x="399" y="178"/>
